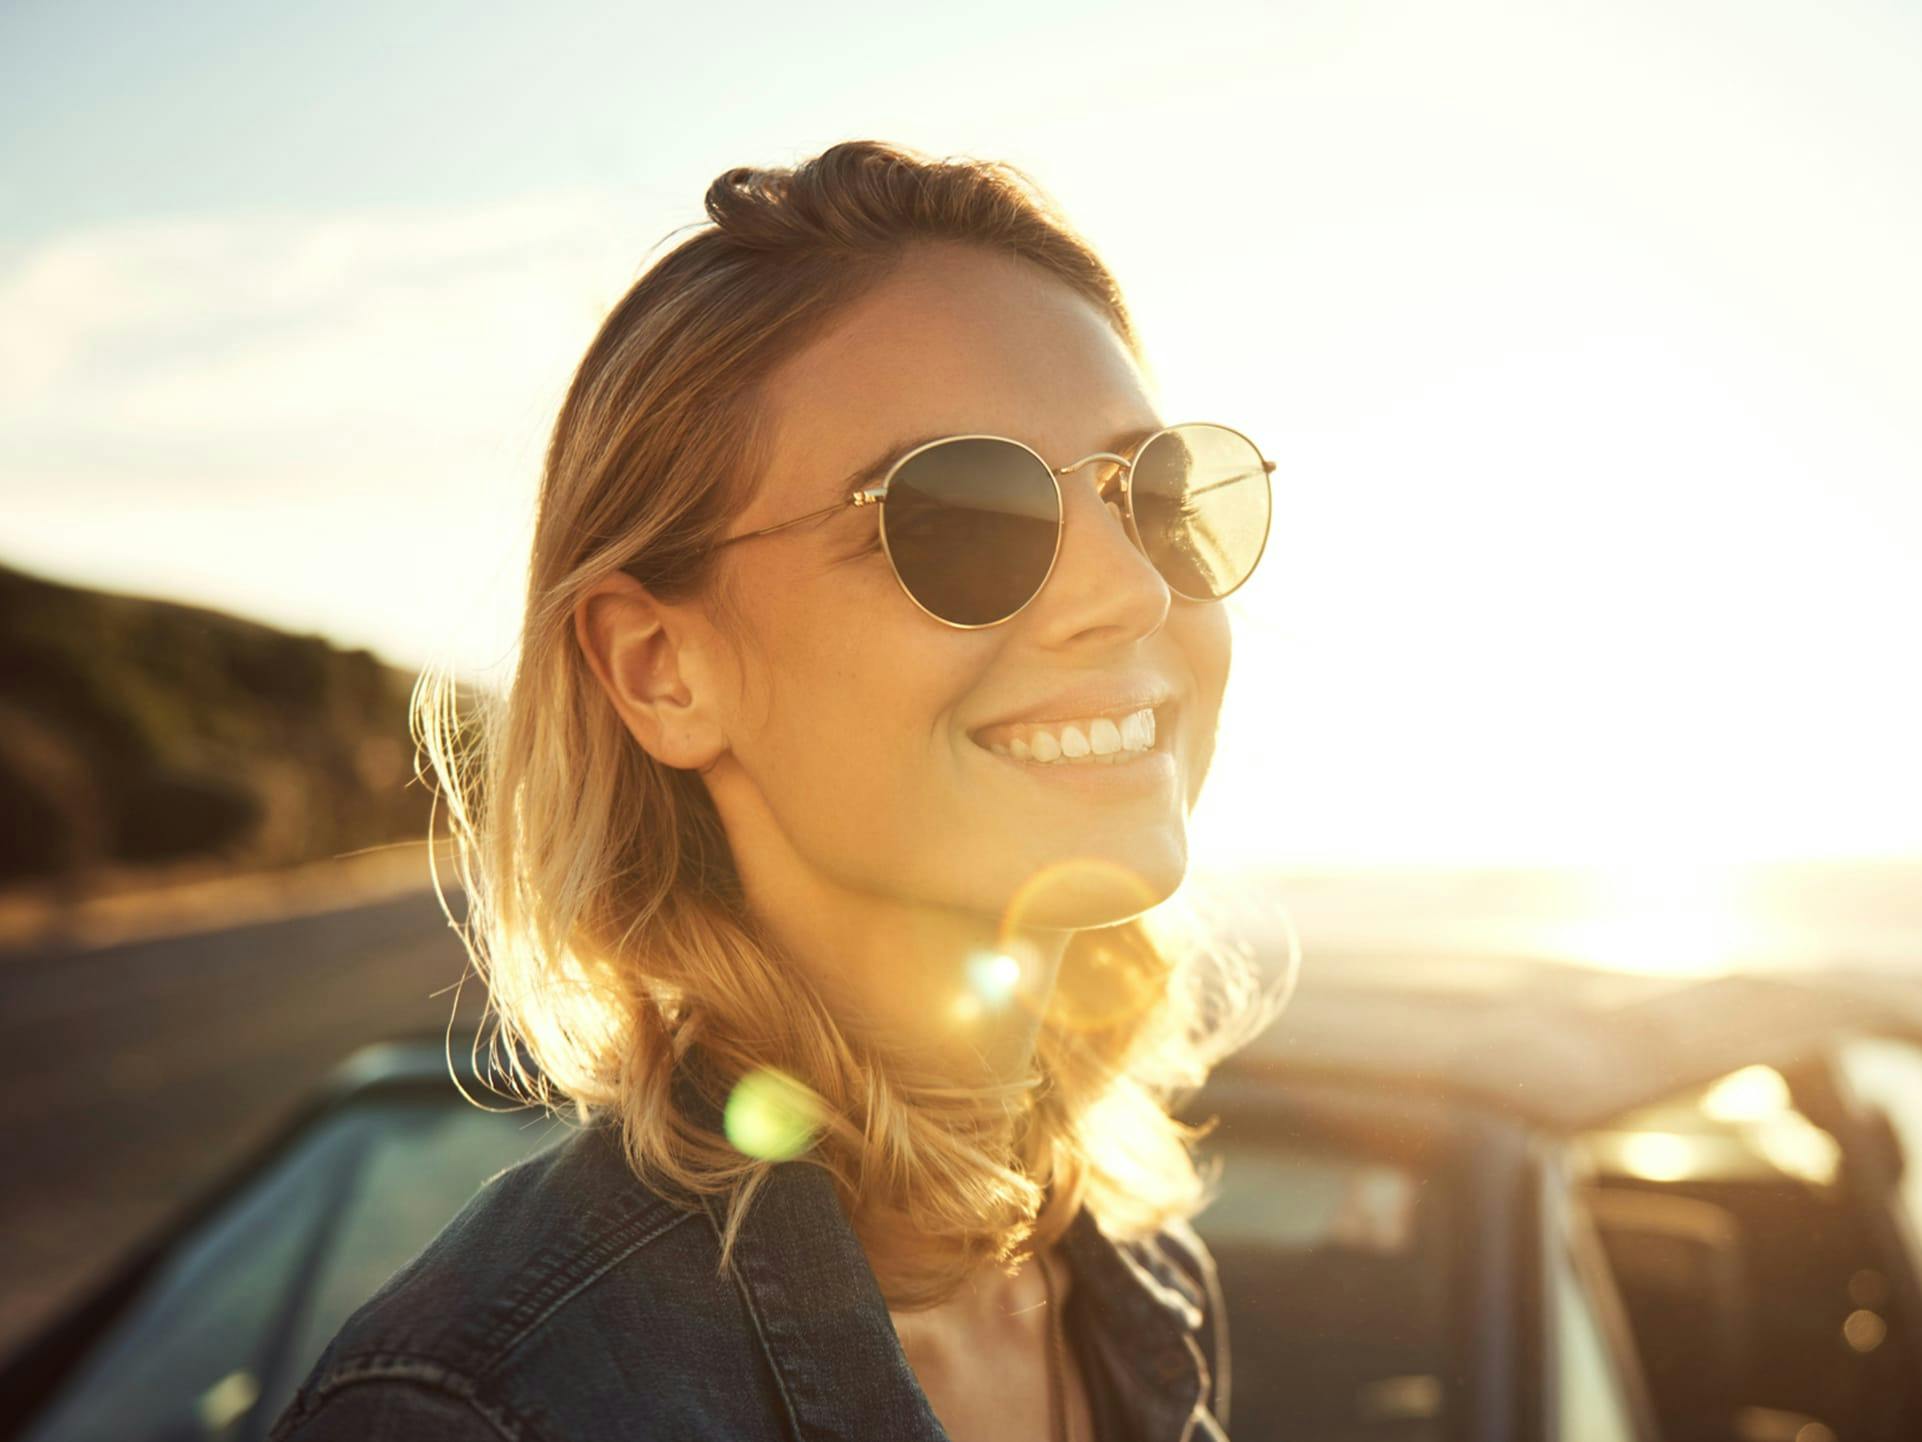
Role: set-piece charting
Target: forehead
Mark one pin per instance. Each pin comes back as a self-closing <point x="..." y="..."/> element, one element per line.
<point x="956" y="340"/>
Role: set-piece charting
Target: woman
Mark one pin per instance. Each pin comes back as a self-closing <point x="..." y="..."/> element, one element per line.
<point x="871" y="666"/>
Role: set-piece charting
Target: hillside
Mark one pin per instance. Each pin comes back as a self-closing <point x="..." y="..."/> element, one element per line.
<point x="136" y="732"/>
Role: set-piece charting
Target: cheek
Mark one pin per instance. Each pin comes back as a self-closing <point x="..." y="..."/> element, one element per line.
<point x="1206" y="643"/>
<point x="1205" y="640"/>
<point x="858" y="710"/>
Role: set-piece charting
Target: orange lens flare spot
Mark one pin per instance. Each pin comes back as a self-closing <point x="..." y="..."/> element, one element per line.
<point x="1108" y="977"/>
<point x="1082" y="891"/>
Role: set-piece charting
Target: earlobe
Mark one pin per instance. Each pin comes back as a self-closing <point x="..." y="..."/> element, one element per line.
<point x="643" y="655"/>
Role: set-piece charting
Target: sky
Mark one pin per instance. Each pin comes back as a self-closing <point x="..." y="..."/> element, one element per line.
<point x="1587" y="339"/>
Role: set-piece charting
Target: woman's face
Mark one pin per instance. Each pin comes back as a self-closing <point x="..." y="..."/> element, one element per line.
<point x="859" y="729"/>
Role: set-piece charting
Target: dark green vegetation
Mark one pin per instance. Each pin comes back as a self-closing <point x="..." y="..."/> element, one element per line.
<point x="138" y="731"/>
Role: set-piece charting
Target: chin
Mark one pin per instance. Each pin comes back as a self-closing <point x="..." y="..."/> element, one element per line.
<point x="1100" y="885"/>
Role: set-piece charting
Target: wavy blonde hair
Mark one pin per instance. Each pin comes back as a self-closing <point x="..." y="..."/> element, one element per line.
<point x="603" y="910"/>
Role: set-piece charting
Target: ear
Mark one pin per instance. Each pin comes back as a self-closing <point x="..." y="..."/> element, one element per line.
<point x="648" y="658"/>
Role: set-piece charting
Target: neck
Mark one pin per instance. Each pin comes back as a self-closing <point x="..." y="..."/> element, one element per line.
<point x="954" y="1004"/>
<point x="950" y="1000"/>
<point x="943" y="986"/>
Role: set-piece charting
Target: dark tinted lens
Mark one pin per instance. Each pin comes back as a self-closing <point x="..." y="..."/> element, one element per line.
<point x="1201" y="501"/>
<point x="972" y="526"/>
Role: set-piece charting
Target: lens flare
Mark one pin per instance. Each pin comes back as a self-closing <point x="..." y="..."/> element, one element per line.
<point x="770" y="1115"/>
<point x="1108" y="977"/>
<point x="994" y="975"/>
<point x="1078" y="892"/>
<point x="996" y="980"/>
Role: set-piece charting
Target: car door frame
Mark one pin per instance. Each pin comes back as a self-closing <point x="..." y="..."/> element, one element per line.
<point x="1493" y="1164"/>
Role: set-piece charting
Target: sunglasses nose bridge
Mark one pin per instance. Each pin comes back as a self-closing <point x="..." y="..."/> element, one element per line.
<point x="1114" y="499"/>
<point x="1096" y="568"/>
<point x="1121" y="466"/>
<point x="1069" y="470"/>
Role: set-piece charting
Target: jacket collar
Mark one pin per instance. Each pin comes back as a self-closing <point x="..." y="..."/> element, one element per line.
<point x="832" y="1346"/>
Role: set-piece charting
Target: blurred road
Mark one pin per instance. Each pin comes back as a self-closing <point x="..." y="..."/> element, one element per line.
<point x="135" y="1074"/>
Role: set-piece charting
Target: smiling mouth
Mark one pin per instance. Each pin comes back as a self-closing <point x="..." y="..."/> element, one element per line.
<point x="1110" y="740"/>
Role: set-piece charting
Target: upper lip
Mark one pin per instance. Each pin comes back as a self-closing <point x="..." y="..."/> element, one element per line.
<point x="1105" y="696"/>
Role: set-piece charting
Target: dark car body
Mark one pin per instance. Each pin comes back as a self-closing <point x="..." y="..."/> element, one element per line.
<point x="1479" y="1200"/>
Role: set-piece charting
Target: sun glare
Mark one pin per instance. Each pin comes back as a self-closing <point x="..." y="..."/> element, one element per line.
<point x="1669" y="919"/>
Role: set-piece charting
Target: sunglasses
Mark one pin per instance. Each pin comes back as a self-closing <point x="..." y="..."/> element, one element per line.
<point x="972" y="524"/>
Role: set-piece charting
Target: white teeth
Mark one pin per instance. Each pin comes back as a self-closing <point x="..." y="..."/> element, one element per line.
<point x="1138" y="731"/>
<point x="1100" y="740"/>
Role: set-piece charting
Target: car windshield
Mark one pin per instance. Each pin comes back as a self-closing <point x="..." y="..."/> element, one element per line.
<point x="239" y="1313"/>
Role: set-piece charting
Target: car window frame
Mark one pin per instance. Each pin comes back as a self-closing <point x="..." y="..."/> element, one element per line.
<point x="1561" y="1221"/>
<point x="1891" y="1227"/>
<point x="1481" y="1154"/>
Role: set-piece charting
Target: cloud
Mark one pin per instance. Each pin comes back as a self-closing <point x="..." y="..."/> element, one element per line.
<point x="217" y="346"/>
<point x="260" y="410"/>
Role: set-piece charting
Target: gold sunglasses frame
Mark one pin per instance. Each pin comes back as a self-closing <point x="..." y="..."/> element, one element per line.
<point x="877" y="494"/>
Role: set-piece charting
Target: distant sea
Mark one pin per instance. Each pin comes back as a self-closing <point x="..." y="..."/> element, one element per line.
<point x="1846" y="915"/>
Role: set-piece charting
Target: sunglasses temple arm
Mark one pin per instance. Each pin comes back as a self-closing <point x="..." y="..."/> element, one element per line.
<point x="1231" y="481"/>
<point x="853" y="500"/>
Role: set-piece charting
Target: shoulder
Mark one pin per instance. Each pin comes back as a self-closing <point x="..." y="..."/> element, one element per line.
<point x="469" y="1338"/>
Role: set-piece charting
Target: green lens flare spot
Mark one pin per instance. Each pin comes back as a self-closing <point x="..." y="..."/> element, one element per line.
<point x="994" y="976"/>
<point x="771" y="1116"/>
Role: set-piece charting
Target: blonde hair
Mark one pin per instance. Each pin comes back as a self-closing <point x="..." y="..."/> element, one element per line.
<point x="604" y="913"/>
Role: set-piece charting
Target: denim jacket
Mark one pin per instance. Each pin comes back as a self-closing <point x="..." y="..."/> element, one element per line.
<point x="567" y="1302"/>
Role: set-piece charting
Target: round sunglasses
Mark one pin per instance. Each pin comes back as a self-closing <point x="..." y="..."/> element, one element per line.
<point x="972" y="524"/>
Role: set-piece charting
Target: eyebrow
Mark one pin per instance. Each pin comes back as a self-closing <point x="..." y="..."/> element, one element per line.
<point x="868" y="474"/>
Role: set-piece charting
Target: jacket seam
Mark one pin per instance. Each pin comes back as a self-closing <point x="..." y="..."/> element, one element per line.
<point x="1171" y="1286"/>
<point x="1197" y="1264"/>
<point x="427" y="1373"/>
<point x="1169" y="1257"/>
<point x="769" y="1352"/>
<point x="600" y="1259"/>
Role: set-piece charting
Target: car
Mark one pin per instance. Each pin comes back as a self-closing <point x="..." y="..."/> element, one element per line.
<point x="1486" y="1199"/>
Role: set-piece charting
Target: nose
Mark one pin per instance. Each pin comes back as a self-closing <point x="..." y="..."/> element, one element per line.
<point x="1102" y="588"/>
